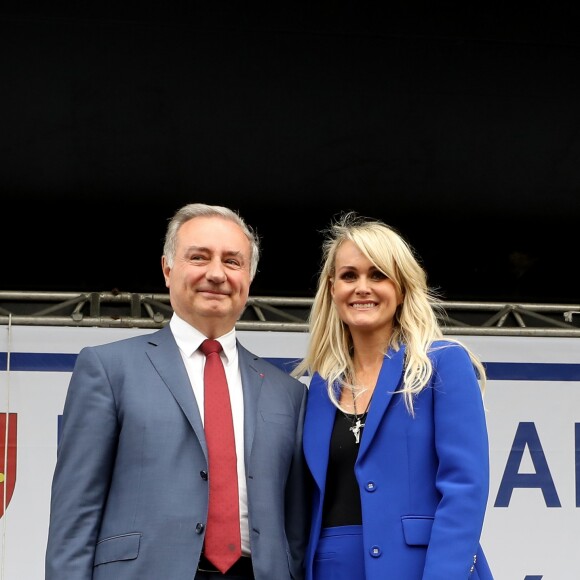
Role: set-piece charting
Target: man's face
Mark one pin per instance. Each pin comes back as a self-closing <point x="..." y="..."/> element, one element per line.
<point x="209" y="281"/>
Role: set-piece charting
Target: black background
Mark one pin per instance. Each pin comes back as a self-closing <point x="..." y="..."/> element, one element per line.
<point x="458" y="125"/>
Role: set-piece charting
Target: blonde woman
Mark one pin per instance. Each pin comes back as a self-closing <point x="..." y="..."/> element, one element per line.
<point x="395" y="433"/>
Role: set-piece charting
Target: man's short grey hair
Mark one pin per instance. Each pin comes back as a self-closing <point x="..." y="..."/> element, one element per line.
<point x="193" y="210"/>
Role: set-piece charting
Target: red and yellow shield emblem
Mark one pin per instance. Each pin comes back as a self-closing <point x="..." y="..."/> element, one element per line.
<point x="7" y="459"/>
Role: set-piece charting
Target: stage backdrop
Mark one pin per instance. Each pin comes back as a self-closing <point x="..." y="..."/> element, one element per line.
<point x="533" y="410"/>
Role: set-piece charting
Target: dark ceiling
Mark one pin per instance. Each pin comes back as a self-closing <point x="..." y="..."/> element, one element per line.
<point x="458" y="126"/>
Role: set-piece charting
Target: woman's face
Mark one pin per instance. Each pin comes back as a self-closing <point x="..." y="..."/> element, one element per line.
<point x="365" y="299"/>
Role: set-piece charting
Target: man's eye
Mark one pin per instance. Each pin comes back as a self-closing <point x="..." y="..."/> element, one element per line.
<point x="233" y="262"/>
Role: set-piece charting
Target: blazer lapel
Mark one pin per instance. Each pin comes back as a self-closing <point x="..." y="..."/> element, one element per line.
<point x="387" y="383"/>
<point x="166" y="358"/>
<point x="318" y="426"/>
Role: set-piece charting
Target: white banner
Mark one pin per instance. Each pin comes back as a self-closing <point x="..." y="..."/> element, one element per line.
<point x="532" y="525"/>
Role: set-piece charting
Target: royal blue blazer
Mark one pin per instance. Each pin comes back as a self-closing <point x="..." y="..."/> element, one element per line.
<point x="424" y="480"/>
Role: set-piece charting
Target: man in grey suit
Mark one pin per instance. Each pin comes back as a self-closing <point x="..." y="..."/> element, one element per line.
<point x="130" y="489"/>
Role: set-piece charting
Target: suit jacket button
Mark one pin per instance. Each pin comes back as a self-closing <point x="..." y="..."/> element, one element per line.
<point x="199" y="528"/>
<point x="370" y="486"/>
<point x="375" y="551"/>
<point x="203" y="474"/>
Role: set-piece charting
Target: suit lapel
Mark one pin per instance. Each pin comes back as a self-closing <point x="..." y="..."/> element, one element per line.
<point x="164" y="354"/>
<point x="252" y="380"/>
<point x="387" y="382"/>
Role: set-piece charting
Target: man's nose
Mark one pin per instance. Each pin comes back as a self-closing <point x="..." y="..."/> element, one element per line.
<point x="216" y="271"/>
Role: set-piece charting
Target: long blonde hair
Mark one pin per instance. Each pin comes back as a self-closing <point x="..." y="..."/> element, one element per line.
<point x="329" y="351"/>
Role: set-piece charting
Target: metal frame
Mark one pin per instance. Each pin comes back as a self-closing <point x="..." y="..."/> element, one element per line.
<point x="135" y="310"/>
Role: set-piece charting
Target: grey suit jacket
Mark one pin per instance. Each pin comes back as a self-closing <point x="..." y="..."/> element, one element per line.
<point x="130" y="492"/>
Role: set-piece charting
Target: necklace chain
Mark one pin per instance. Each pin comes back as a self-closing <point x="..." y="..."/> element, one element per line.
<point x="357" y="423"/>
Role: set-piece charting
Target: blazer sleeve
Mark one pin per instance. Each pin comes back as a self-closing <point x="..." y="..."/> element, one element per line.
<point x="462" y="478"/>
<point x="85" y="457"/>
<point x="297" y="499"/>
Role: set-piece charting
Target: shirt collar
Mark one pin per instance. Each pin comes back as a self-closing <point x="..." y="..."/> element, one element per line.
<point x="189" y="339"/>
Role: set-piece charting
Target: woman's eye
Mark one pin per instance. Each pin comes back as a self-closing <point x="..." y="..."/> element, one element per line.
<point x="378" y="275"/>
<point x="348" y="276"/>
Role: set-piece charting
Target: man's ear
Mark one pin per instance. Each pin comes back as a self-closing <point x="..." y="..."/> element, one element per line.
<point x="166" y="268"/>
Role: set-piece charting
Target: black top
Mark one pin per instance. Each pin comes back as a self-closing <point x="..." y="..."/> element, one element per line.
<point x="342" y="496"/>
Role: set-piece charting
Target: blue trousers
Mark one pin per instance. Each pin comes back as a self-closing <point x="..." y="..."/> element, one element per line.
<point x="340" y="554"/>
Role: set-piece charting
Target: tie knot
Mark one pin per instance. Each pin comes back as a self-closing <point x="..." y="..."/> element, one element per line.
<point x="209" y="346"/>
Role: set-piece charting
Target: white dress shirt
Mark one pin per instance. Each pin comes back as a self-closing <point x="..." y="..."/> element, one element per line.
<point x="189" y="340"/>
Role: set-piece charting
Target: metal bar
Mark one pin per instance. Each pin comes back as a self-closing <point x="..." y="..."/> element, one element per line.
<point x="72" y="302"/>
<point x="543" y="318"/>
<point x="124" y="309"/>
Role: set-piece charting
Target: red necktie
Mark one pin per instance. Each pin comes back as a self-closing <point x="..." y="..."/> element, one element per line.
<point x="222" y="538"/>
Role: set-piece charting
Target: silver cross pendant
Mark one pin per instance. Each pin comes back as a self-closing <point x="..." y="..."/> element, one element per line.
<point x="356" y="428"/>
